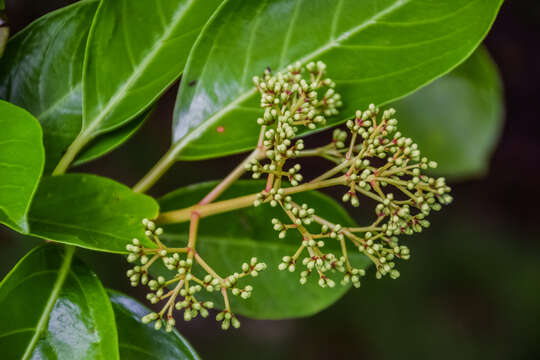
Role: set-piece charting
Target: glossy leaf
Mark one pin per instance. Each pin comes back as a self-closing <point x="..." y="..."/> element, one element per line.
<point x="52" y="306"/>
<point x="42" y="72"/>
<point x="457" y="119"/>
<point x="226" y="241"/>
<point x="90" y="211"/>
<point x="376" y="51"/>
<point x="105" y="143"/>
<point x="135" y="51"/>
<point x="21" y="164"/>
<point x="141" y="341"/>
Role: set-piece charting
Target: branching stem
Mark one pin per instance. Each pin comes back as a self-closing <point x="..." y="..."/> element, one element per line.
<point x="182" y="215"/>
<point x="234" y="175"/>
<point x="206" y="267"/>
<point x="159" y="169"/>
<point x="71" y="153"/>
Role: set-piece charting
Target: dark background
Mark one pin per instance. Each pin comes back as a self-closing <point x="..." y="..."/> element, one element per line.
<point x="472" y="287"/>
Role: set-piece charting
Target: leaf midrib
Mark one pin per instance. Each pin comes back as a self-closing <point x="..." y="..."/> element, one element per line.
<point x="59" y="102"/>
<point x="197" y="131"/>
<point x="138" y="71"/>
<point x="55" y="293"/>
<point x="17" y="331"/>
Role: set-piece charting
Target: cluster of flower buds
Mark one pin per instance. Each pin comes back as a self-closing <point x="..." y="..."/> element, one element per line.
<point x="311" y="246"/>
<point x="383" y="255"/>
<point x="294" y="98"/>
<point x="301" y="97"/>
<point x="404" y="194"/>
<point x="227" y="318"/>
<point x="292" y="174"/>
<point x="182" y="289"/>
<point x="338" y="138"/>
<point x="374" y="161"/>
<point x="321" y="263"/>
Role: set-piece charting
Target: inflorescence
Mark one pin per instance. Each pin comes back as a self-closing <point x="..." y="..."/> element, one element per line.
<point x="185" y="286"/>
<point x="289" y="102"/>
<point x="373" y="161"/>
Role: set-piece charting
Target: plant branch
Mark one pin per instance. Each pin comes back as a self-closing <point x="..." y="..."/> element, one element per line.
<point x="182" y="215"/>
<point x="332" y="171"/>
<point x="71" y="153"/>
<point x="159" y="169"/>
<point x="193" y="227"/>
<point x="165" y="163"/>
<point x="207" y="267"/>
<point x="257" y="154"/>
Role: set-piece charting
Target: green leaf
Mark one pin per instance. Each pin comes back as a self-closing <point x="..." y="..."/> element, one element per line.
<point x="376" y="51"/>
<point x="107" y="142"/>
<point x="54" y="307"/>
<point x="90" y="211"/>
<point x="457" y="119"/>
<point x="50" y="53"/>
<point x="141" y="341"/>
<point x="42" y="72"/>
<point x="21" y="164"/>
<point x="134" y="53"/>
<point x="226" y="241"/>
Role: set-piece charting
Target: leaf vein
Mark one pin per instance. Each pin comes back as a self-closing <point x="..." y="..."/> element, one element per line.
<point x="288" y="34"/>
<point x="335" y="18"/>
<point x="252" y="41"/>
<point x="13" y="332"/>
<point x="55" y="292"/>
<point x="138" y="71"/>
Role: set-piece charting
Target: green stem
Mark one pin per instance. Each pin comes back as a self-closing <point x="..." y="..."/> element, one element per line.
<point x="159" y="169"/>
<point x="207" y="267"/>
<point x="332" y="171"/>
<point x="314" y="152"/>
<point x="365" y="229"/>
<point x="226" y="299"/>
<point x="71" y="153"/>
<point x="232" y="177"/>
<point x="182" y="215"/>
<point x="164" y="164"/>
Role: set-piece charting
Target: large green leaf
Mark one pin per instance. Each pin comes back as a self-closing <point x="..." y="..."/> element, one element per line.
<point x="226" y="241"/>
<point x="21" y="164"/>
<point x="457" y="119"/>
<point x="135" y="51"/>
<point x="89" y="211"/>
<point x="141" y="341"/>
<point x="42" y="72"/>
<point x="54" y="307"/>
<point x="376" y="51"/>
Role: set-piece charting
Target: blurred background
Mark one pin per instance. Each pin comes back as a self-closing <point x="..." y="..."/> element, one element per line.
<point x="471" y="289"/>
